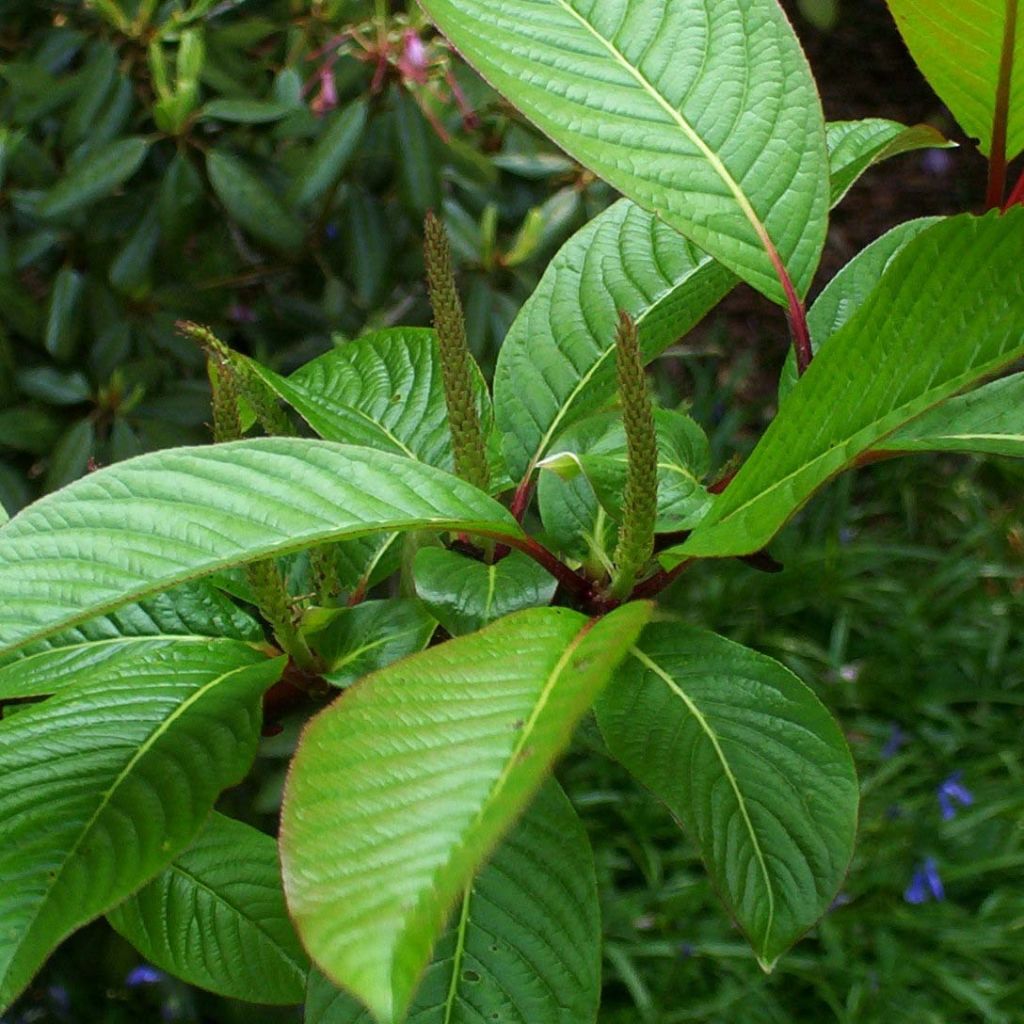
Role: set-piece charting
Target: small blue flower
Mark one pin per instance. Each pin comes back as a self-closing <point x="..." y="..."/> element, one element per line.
<point x="897" y="737"/>
<point x="143" y="975"/>
<point x="925" y="883"/>
<point x="952" y="791"/>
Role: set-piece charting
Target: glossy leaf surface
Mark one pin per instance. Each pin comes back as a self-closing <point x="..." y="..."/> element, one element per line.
<point x="216" y="918"/>
<point x="524" y="944"/>
<point x="702" y="111"/>
<point x="988" y="421"/>
<point x="465" y="594"/>
<point x="144" y="525"/>
<point x="557" y="364"/>
<point x="746" y="756"/>
<point x="959" y="45"/>
<point x="384" y="391"/>
<point x="856" y="146"/>
<point x="596" y="447"/>
<point x="103" y="784"/>
<point x="947" y="312"/>
<point x="356" y="641"/>
<point x="439" y="755"/>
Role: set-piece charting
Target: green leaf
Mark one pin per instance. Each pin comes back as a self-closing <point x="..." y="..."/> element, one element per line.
<point x="144" y="525"/>
<point x="216" y="918"/>
<point x="439" y="753"/>
<point x="557" y="364"/>
<point x="356" y="641"/>
<point x="575" y="523"/>
<point x="849" y="290"/>
<point x="960" y="48"/>
<point x="596" y="447"/>
<point x="524" y="945"/>
<point x="418" y="165"/>
<point x="244" y="111"/>
<point x="340" y="138"/>
<point x="465" y="595"/>
<point x="946" y="313"/>
<point x="702" y="111"/>
<point x="105" y="783"/>
<point x="249" y="201"/>
<point x="64" y="319"/>
<point x="743" y="753"/>
<point x="989" y="421"/>
<point x="192" y="612"/>
<point x="856" y="146"/>
<point x="71" y="454"/>
<point x="97" y="176"/>
<point x="384" y="391"/>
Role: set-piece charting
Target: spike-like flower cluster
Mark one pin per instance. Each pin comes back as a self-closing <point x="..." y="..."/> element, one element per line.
<point x="640" y="501"/>
<point x="468" y="445"/>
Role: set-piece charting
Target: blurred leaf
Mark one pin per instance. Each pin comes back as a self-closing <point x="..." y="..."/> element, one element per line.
<point x="250" y="202"/>
<point x="244" y="111"/>
<point x="328" y="158"/>
<point x="70" y="457"/>
<point x="417" y="161"/>
<point x="98" y="175"/>
<point x="64" y="321"/>
<point x="58" y="387"/>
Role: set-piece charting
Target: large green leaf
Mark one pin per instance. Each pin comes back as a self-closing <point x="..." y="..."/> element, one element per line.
<point x="557" y="363"/>
<point x="439" y="754"/>
<point x="384" y="391"/>
<point x="524" y="946"/>
<point x="959" y="45"/>
<point x="989" y="421"/>
<point x="744" y="754"/>
<point x="946" y="313"/>
<point x="144" y="525"/>
<point x="215" y="917"/>
<point x="465" y="594"/>
<point x="105" y="783"/>
<point x="702" y="111"/>
<point x="856" y="146"/>
<point x="849" y="290"/>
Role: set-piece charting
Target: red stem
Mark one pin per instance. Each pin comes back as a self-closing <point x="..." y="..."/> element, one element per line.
<point x="654" y="585"/>
<point x="796" y="311"/>
<point x="521" y="499"/>
<point x="579" y="587"/>
<point x="997" y="159"/>
<point x="1017" y="195"/>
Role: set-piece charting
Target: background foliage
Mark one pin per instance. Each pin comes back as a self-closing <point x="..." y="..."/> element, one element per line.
<point x="234" y="169"/>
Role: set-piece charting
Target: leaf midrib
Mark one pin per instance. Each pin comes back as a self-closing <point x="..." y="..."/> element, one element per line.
<point x="712" y="736"/>
<point x="688" y="130"/>
<point x="513" y="759"/>
<point x="105" y="799"/>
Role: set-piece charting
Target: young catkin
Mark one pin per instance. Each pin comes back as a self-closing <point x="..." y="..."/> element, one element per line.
<point x="468" y="444"/>
<point x="640" y="501"/>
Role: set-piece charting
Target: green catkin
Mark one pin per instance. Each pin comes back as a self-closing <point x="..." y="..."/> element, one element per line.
<point x="468" y="444"/>
<point x="640" y="501"/>
<point x="264" y="578"/>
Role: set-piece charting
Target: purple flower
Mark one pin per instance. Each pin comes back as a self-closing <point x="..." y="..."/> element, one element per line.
<point x="896" y="739"/>
<point x="925" y="883"/>
<point x="143" y="975"/>
<point x="951" y="791"/>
